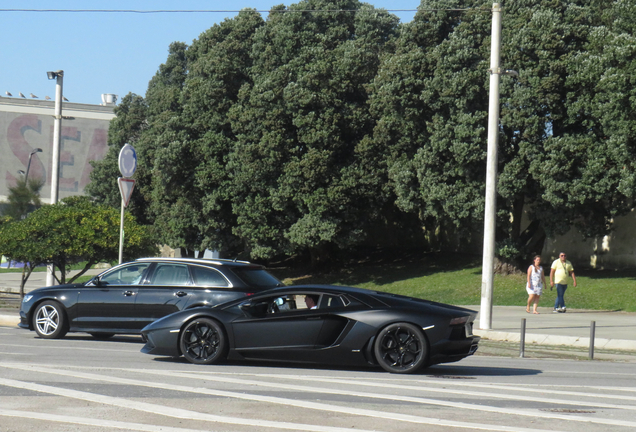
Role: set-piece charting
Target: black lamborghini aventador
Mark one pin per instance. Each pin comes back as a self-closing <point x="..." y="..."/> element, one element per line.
<point x="319" y="325"/>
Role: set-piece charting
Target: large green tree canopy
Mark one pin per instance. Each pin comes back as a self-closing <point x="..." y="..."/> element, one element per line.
<point x="308" y="130"/>
<point x="297" y="162"/>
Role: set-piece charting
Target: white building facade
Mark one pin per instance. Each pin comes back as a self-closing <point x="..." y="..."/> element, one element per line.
<point x="27" y="125"/>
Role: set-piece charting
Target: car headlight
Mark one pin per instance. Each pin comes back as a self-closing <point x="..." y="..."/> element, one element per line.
<point x="27" y="298"/>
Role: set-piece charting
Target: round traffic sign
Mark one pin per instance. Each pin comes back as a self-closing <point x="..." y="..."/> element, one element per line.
<point x="127" y="161"/>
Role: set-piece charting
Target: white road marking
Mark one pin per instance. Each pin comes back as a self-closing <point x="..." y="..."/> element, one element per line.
<point x="113" y="424"/>
<point x="165" y="410"/>
<point x="174" y="412"/>
<point x="532" y="413"/>
<point x="66" y="348"/>
<point x="482" y="394"/>
<point x="536" y="388"/>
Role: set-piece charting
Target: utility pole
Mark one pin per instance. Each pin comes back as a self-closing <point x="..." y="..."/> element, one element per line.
<point x="490" y="211"/>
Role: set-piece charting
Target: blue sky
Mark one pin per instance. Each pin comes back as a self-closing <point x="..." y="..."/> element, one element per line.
<point x="113" y="53"/>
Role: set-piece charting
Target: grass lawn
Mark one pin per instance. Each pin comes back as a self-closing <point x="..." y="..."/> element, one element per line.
<point x="456" y="280"/>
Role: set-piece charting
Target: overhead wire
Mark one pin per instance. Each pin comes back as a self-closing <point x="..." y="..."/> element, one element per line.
<point x="158" y="11"/>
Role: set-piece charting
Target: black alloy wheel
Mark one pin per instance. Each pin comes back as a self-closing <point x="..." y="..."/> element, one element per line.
<point x="49" y="320"/>
<point x="401" y="348"/>
<point x="203" y="341"/>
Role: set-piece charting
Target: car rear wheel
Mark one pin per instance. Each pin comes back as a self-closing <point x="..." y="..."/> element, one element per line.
<point x="49" y="320"/>
<point x="203" y="341"/>
<point x="401" y="348"/>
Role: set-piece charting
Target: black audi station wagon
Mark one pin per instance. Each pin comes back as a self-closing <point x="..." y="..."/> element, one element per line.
<point x="126" y="298"/>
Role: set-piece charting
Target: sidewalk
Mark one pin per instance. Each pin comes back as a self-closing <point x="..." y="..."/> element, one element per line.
<point x="613" y="330"/>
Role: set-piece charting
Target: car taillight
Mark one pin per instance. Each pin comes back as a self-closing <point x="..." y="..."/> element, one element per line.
<point x="459" y="320"/>
<point x="249" y="294"/>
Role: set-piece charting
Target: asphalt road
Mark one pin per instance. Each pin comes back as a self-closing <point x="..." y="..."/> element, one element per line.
<point x="78" y="383"/>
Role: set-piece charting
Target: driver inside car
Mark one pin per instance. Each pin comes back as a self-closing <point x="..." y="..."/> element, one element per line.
<point x="311" y="301"/>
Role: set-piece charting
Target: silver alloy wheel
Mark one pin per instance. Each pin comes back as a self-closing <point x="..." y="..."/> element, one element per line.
<point x="47" y="320"/>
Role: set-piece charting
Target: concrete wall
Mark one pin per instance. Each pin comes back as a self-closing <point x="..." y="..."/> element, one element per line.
<point x="614" y="251"/>
<point x="28" y="124"/>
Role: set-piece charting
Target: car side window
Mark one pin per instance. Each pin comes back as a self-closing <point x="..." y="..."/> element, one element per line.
<point x="281" y="304"/>
<point x="131" y="274"/>
<point x="208" y="277"/>
<point x="332" y="301"/>
<point x="171" y="275"/>
<point x="293" y="302"/>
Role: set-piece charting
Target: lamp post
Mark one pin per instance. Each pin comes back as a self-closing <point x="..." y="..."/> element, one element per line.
<point x="26" y="176"/>
<point x="55" y="157"/>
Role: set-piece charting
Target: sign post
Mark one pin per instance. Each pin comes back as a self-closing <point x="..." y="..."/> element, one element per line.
<point x="127" y="167"/>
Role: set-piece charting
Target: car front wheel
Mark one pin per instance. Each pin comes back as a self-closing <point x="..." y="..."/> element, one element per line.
<point x="203" y="341"/>
<point x="49" y="320"/>
<point x="401" y="348"/>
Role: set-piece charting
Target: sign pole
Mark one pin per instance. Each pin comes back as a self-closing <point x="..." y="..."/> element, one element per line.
<point x="121" y="233"/>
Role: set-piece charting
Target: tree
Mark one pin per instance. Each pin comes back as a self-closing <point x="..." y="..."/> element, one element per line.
<point x="300" y="125"/>
<point x="556" y="146"/>
<point x="429" y="98"/>
<point x="23" y="197"/>
<point x="182" y="135"/>
<point x="588" y="172"/>
<point x="71" y="231"/>
<point x="304" y="132"/>
<point x="541" y="39"/>
<point x="191" y="201"/>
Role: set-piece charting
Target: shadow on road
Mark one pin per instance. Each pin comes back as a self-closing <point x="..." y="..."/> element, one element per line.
<point x="437" y="371"/>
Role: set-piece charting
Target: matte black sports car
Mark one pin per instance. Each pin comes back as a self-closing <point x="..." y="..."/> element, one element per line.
<point x="126" y="298"/>
<point x="320" y="325"/>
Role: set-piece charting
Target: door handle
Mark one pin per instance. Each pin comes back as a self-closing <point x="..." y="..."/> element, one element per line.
<point x="181" y="293"/>
<point x="129" y="293"/>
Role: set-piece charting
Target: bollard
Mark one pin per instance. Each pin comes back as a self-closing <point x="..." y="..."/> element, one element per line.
<point x="592" y="332"/>
<point x="522" y="338"/>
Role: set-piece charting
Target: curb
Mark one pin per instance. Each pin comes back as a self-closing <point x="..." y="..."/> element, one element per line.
<point x="12" y="290"/>
<point x="9" y="320"/>
<point x="539" y="339"/>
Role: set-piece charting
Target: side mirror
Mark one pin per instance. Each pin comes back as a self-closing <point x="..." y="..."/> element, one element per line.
<point x="97" y="282"/>
<point x="245" y="306"/>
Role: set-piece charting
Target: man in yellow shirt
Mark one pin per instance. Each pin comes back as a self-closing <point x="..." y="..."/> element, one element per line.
<point x="559" y="272"/>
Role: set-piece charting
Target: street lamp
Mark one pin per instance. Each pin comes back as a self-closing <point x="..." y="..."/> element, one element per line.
<point x="55" y="157"/>
<point x="57" y="129"/>
<point x="26" y="175"/>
